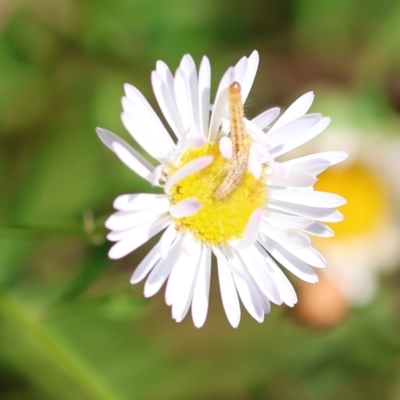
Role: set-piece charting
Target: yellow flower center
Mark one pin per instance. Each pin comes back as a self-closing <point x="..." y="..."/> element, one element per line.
<point x="218" y="221"/>
<point x="367" y="199"/>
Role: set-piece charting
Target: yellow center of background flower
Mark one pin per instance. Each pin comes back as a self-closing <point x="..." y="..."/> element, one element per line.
<point x="367" y="198"/>
<point x="218" y="221"/>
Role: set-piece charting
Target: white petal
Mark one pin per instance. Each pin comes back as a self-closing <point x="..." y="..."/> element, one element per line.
<point x="279" y="170"/>
<point x="264" y="302"/>
<point x="318" y="162"/>
<point x="202" y="289"/>
<point x="257" y="134"/>
<point x="181" y="278"/>
<point x="185" y="283"/>
<point x="157" y="177"/>
<point x="229" y="296"/>
<point x="293" y="129"/>
<point x="138" y="107"/>
<point x="239" y="72"/>
<point x="254" y="164"/>
<point x="294" y="178"/>
<point x="189" y="69"/>
<point x="319" y="229"/>
<point x="165" y="74"/>
<point x="127" y="154"/>
<point x="251" y="71"/>
<point x="263" y="120"/>
<point x="122" y="220"/>
<point x="296" y="110"/>
<point x="286" y="289"/>
<point x="138" y="236"/>
<point x="147" y="139"/>
<point x="146" y="265"/>
<point x="287" y="237"/>
<point x="261" y="273"/>
<point x="204" y="94"/>
<point x="320" y="214"/>
<point x="309" y="198"/>
<point x="251" y="231"/>
<point x="184" y="101"/>
<point x="166" y="100"/>
<point x="137" y="201"/>
<point x="248" y="293"/>
<point x="166" y="240"/>
<point x="162" y="270"/>
<point x="225" y="147"/>
<point x="296" y="266"/>
<point x="220" y="104"/>
<point x="309" y="256"/>
<point x="286" y="221"/>
<point x="188" y="169"/>
<point x="224" y="253"/>
<point x="301" y="139"/>
<point x="185" y="208"/>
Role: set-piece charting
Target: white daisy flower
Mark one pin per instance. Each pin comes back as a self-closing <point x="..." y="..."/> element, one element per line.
<point x="224" y="192"/>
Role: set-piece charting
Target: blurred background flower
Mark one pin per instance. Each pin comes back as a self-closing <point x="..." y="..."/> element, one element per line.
<point x="71" y="325"/>
<point x="366" y="243"/>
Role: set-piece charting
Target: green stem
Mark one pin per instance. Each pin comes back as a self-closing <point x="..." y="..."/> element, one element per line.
<point x="40" y="231"/>
<point x="54" y="349"/>
<point x="95" y="237"/>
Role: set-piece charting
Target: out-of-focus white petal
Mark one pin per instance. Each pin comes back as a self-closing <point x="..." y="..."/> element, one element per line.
<point x="301" y="139"/>
<point x="286" y="221"/>
<point x="308" y="198"/>
<point x="293" y="129"/>
<point x="296" y="110"/>
<point x="251" y="71"/>
<point x="319" y="229"/>
<point x="297" y="178"/>
<point x="320" y="214"/>
<point x="316" y="163"/>
<point x="257" y="134"/>
<point x="264" y="119"/>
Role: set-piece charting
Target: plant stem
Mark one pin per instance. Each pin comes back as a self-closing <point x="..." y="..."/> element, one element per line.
<point x="54" y="349"/>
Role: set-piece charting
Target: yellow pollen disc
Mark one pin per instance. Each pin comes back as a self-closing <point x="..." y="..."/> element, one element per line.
<point x="218" y="221"/>
<point x="367" y="199"/>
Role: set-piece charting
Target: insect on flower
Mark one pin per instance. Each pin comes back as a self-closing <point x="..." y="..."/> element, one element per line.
<point x="240" y="143"/>
<point x="225" y="194"/>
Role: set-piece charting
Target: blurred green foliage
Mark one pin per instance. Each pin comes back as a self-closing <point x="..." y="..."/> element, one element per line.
<point x="71" y="327"/>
